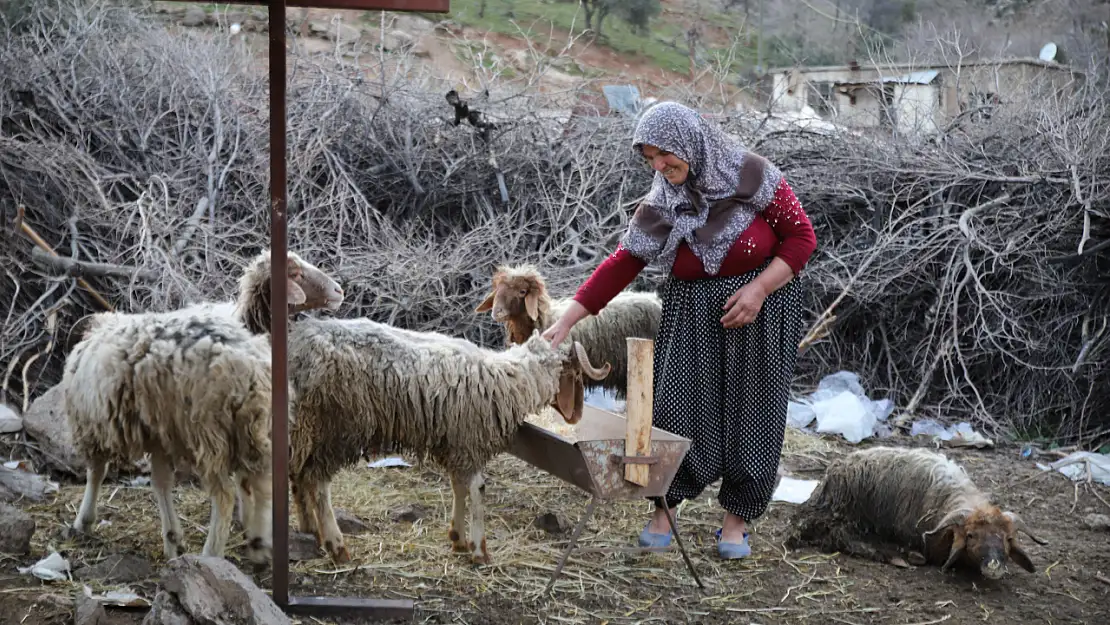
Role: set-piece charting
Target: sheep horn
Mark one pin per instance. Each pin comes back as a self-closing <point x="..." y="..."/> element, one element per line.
<point x="958" y="546"/>
<point x="954" y="517"/>
<point x="595" y="373"/>
<point x="1019" y="525"/>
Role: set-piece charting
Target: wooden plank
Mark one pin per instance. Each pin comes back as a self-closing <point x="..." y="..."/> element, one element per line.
<point x="637" y="440"/>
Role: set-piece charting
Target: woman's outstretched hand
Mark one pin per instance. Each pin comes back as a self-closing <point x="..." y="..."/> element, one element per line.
<point x="556" y="333"/>
<point x="744" y="305"/>
<point x="561" y="328"/>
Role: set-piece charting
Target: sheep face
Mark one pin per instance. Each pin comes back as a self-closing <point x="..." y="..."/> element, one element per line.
<point x="984" y="538"/>
<point x="515" y="294"/>
<point x="310" y="288"/>
<point x="570" y="397"/>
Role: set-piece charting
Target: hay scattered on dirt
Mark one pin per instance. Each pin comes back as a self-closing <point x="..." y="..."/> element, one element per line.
<point x="414" y="560"/>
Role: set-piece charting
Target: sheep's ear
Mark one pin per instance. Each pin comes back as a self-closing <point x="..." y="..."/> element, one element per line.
<point x="1018" y="555"/>
<point x="958" y="545"/>
<point x="486" y="304"/>
<point x="1020" y="526"/>
<point x="532" y="304"/>
<point x="570" y="397"/>
<point x="295" y="293"/>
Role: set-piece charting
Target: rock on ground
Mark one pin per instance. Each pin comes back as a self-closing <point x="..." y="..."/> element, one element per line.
<point x="10" y="421"/>
<point x="18" y="528"/>
<point x="552" y="522"/>
<point x="89" y="611"/>
<point x="408" y="513"/>
<point x="17" y="484"/>
<point x="199" y="590"/>
<point x="117" y="569"/>
<point x="302" y="547"/>
<point x="1097" y="522"/>
<point x="349" y="523"/>
<point x="46" y="422"/>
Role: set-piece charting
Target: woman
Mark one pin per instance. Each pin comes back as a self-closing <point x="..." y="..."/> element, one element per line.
<point x="733" y="235"/>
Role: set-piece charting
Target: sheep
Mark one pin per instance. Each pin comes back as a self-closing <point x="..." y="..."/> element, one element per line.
<point x="363" y="385"/>
<point x="190" y="387"/>
<point x="910" y="496"/>
<point x="360" y="386"/>
<point x="519" y="299"/>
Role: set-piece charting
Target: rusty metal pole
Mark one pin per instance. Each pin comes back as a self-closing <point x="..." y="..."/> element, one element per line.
<point x="278" y="304"/>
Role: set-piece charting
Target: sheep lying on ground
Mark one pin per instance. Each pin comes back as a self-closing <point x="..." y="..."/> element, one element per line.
<point x="519" y="300"/>
<point x="362" y="385"/>
<point x="911" y="498"/>
<point x="192" y="388"/>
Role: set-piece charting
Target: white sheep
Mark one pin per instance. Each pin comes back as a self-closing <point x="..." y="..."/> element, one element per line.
<point x="362" y="385"/>
<point x="913" y="498"/>
<point x="519" y="299"/>
<point x="192" y="388"/>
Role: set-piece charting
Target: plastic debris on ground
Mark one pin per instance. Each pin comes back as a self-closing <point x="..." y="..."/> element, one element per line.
<point x="792" y="490"/>
<point x="392" y="461"/>
<point x="840" y="406"/>
<point x="122" y="598"/>
<point x="1080" y="465"/>
<point x="26" y="467"/>
<point x="959" y="435"/>
<point x="52" y="568"/>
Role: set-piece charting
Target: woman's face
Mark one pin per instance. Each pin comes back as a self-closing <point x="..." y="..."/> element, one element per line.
<point x="674" y="169"/>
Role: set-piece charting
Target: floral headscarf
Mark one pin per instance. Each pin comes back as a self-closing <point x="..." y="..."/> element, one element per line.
<point x="727" y="185"/>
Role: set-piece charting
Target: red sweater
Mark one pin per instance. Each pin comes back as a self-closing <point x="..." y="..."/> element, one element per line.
<point x="782" y="230"/>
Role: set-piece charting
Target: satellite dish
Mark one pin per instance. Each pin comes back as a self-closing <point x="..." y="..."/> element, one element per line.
<point x="1048" y="52"/>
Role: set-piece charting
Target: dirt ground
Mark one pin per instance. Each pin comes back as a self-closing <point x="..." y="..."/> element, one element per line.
<point x="399" y="557"/>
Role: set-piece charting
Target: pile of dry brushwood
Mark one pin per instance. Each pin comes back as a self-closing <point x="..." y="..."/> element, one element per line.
<point x="967" y="276"/>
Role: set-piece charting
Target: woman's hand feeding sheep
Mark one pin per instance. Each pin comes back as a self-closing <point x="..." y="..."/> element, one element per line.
<point x="729" y="228"/>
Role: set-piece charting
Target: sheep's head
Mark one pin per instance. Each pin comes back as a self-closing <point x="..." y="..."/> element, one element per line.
<point x="517" y="294"/>
<point x="571" y="395"/>
<point x="310" y="288"/>
<point x="307" y="288"/>
<point x="985" y="538"/>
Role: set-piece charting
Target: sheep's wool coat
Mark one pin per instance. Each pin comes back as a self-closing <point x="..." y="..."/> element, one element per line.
<point x="193" y="384"/>
<point x="727" y="185"/>
<point x="361" y="385"/>
<point x="893" y="492"/>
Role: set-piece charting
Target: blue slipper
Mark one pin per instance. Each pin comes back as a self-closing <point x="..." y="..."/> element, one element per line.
<point x="651" y="539"/>
<point x="733" y="551"/>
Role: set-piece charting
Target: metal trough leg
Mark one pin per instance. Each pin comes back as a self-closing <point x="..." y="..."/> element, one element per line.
<point x="681" y="547"/>
<point x="573" y="543"/>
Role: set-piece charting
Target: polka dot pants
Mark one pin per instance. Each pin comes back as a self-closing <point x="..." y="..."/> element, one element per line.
<point x="726" y="389"/>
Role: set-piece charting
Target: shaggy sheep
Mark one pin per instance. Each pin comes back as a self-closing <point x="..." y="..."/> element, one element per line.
<point x="910" y="497"/>
<point x="519" y="300"/>
<point x="192" y="388"/>
<point x="362" y="385"/>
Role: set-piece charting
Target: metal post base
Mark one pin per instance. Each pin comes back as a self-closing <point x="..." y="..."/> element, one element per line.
<point x="582" y="524"/>
<point x="371" y="609"/>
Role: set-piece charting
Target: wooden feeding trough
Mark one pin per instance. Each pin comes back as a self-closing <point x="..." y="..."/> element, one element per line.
<point x="611" y="457"/>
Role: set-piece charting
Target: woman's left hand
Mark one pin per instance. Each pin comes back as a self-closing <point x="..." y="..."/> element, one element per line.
<point x="743" y="307"/>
